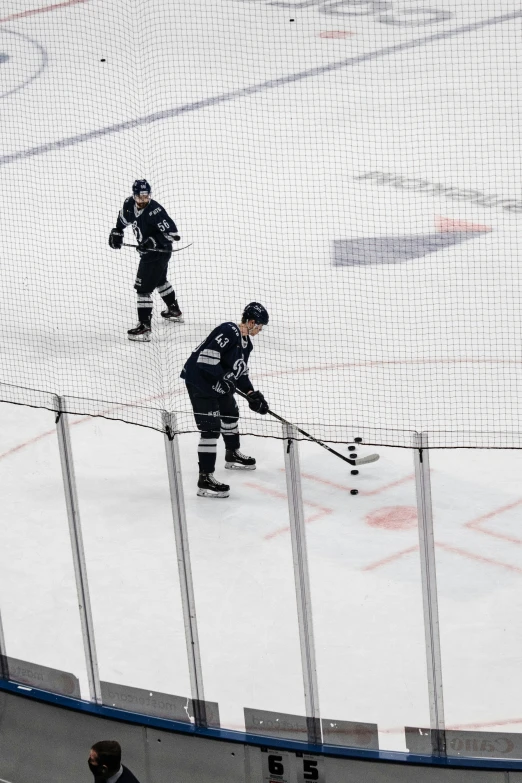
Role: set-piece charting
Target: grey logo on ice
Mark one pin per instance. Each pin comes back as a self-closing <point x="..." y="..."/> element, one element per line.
<point x="365" y="251"/>
<point x="425" y="187"/>
<point x="383" y="11"/>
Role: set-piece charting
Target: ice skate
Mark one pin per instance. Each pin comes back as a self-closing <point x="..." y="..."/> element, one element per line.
<point x="141" y="333"/>
<point x="208" y="487"/>
<point x="173" y="313"/>
<point x="234" y="460"/>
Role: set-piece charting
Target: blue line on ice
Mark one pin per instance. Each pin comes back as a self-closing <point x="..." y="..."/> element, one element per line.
<point x="71" y="141"/>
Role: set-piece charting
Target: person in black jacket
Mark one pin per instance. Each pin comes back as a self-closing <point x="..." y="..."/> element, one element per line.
<point x="212" y="373"/>
<point x="105" y="763"/>
<point x="155" y="231"/>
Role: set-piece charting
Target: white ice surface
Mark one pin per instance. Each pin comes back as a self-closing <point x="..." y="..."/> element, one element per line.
<point x="365" y="577"/>
<point x="263" y="184"/>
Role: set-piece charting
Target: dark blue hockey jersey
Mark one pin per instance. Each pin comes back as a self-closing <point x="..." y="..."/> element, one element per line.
<point x="224" y="353"/>
<point x="149" y="223"/>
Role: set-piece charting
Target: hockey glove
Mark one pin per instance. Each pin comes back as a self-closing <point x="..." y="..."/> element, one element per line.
<point x="257" y="403"/>
<point x="149" y="244"/>
<point x="116" y="239"/>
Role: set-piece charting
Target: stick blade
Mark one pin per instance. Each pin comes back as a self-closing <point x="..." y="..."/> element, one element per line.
<point x="366" y="460"/>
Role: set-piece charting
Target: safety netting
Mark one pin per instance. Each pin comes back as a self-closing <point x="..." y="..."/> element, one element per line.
<point x="354" y="166"/>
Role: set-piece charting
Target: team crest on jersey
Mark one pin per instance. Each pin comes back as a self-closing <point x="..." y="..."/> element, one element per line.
<point x="240" y="368"/>
<point x="137" y="232"/>
<point x="219" y="389"/>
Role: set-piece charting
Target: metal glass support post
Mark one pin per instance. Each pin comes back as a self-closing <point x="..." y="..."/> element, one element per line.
<point x="185" y="572"/>
<point x="302" y="583"/>
<point x="4" y="671"/>
<point x="429" y="593"/>
<point x="75" y="532"/>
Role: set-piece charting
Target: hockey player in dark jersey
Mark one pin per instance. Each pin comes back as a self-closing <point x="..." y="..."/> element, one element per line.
<point x="212" y="373"/>
<point x="155" y="232"/>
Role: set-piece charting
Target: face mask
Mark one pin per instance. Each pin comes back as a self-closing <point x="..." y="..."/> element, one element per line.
<point x="96" y="771"/>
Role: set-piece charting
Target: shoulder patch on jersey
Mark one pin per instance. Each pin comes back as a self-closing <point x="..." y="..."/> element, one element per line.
<point x="158" y="209"/>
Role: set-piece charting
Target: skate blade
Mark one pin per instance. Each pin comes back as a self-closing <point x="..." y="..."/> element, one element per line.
<point x="235" y="466"/>
<point x="178" y="320"/>
<point x="207" y="493"/>
<point x="139" y="338"/>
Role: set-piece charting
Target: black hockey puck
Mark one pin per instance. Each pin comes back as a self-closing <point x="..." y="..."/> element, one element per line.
<point x="354" y="492"/>
<point x="354" y="472"/>
<point x="353" y="455"/>
<point x="102" y="60"/>
<point x="357" y="440"/>
<point x="292" y="20"/>
<point x="352" y="448"/>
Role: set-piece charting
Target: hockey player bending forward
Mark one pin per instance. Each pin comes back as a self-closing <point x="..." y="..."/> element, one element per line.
<point x="155" y="232"/>
<point x="212" y="373"/>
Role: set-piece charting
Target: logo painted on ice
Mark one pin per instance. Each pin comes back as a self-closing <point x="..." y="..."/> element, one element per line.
<point x="22" y="59"/>
<point x="425" y="187"/>
<point x="384" y="11"/>
<point x="395" y="249"/>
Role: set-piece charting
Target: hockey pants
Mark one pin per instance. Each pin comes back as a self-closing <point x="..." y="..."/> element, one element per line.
<point x="214" y="416"/>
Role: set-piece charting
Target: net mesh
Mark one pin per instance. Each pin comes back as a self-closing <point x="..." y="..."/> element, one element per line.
<point x="352" y="165"/>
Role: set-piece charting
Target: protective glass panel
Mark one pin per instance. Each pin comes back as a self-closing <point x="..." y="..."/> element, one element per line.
<point x="128" y="533"/>
<point x="366" y="594"/>
<point x="477" y="509"/>
<point x="244" y="584"/>
<point x="38" y="599"/>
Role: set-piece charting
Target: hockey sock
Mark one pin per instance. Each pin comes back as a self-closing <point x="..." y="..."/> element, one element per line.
<point x="230" y="433"/>
<point x="167" y="294"/>
<point x="144" y="308"/>
<point x="207" y="450"/>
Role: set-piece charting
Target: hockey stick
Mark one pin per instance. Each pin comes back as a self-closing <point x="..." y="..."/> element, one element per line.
<point x="154" y="250"/>
<point x="356" y="461"/>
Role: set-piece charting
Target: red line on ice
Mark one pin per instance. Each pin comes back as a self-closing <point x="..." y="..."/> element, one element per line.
<point x="39" y="437"/>
<point x="77" y="421"/>
<point x="490" y="724"/>
<point x="462" y="726"/>
<point x="479" y="558"/>
<point x="386" y="363"/>
<point x="453" y="549"/>
<point x="323" y="511"/>
<point x="390" y="558"/>
<point x="475" y="523"/>
<point x="41" y="10"/>
<point x="364" y="492"/>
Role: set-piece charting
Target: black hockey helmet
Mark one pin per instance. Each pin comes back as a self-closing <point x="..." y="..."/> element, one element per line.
<point x="255" y="312"/>
<point x="140" y="187"/>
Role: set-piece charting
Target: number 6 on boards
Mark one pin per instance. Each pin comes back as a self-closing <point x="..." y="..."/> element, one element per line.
<point x="289" y="768"/>
<point x="275" y="766"/>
